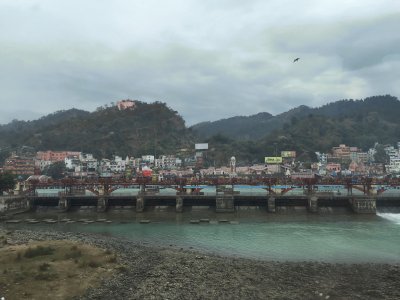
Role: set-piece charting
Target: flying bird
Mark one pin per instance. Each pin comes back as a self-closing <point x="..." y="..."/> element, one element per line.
<point x="296" y="59"/>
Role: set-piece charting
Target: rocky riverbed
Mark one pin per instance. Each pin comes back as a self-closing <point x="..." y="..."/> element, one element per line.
<point x="151" y="272"/>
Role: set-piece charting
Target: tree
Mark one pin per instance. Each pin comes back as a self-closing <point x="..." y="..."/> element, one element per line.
<point x="380" y="155"/>
<point x="55" y="170"/>
<point x="7" y="182"/>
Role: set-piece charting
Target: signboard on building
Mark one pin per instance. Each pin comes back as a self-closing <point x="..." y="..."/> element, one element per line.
<point x="273" y="160"/>
<point x="203" y="146"/>
<point x="288" y="154"/>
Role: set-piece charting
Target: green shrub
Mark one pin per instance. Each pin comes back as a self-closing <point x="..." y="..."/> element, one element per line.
<point x="73" y="254"/>
<point x="112" y="259"/>
<point x="46" y="276"/>
<point x="93" y="264"/>
<point x="38" y="251"/>
<point x="18" y="258"/>
<point x="44" y="267"/>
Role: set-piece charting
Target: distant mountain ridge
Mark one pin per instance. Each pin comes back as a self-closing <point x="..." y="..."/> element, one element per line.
<point x="260" y="125"/>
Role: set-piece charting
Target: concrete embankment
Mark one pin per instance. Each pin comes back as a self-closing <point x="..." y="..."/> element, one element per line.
<point x="174" y="273"/>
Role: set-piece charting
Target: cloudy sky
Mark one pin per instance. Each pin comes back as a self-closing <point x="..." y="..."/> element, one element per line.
<point x="207" y="59"/>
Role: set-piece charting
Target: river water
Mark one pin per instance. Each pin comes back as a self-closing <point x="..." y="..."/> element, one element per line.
<point x="299" y="236"/>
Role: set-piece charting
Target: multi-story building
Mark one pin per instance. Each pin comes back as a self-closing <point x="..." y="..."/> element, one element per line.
<point x="167" y="162"/>
<point x="42" y="164"/>
<point x="332" y="167"/>
<point x="148" y="159"/>
<point x="72" y="162"/>
<point x="393" y="166"/>
<point x="19" y="165"/>
<point x="54" y="156"/>
<point x="342" y="151"/>
<point x="117" y="165"/>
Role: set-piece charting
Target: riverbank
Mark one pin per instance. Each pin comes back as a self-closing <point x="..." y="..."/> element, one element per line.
<point x="174" y="273"/>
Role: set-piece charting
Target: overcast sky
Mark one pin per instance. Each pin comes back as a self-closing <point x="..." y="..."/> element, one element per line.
<point x="207" y="59"/>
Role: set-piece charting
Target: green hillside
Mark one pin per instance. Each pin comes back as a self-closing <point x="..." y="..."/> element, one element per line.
<point x="358" y="123"/>
<point x="149" y="128"/>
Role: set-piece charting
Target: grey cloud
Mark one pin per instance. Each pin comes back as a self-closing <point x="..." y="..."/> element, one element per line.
<point x="207" y="60"/>
<point x="359" y="43"/>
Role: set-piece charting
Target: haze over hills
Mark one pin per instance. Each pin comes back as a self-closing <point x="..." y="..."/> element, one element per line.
<point x="157" y="129"/>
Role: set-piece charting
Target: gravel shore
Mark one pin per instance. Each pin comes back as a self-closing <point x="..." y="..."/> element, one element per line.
<point x="169" y="273"/>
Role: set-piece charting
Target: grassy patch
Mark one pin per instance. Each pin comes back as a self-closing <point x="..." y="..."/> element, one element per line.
<point x="38" y="251"/>
<point x="47" y="276"/>
<point x="90" y="264"/>
<point x="48" y="269"/>
<point x="44" y="267"/>
<point x="73" y="254"/>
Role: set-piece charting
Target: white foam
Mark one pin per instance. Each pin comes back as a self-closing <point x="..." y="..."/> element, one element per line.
<point x="391" y="217"/>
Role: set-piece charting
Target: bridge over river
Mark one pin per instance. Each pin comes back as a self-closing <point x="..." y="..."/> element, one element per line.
<point x="363" y="197"/>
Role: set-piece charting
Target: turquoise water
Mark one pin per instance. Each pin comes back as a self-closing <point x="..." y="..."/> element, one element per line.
<point x="259" y="235"/>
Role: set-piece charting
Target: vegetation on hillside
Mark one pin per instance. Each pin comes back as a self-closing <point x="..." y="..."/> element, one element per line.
<point x="362" y="124"/>
<point x="7" y="182"/>
<point x="156" y="129"/>
<point x="150" y="128"/>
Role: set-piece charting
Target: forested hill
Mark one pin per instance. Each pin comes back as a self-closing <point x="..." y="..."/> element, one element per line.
<point x="262" y="124"/>
<point x="248" y="127"/>
<point x="149" y="128"/>
<point x="358" y="123"/>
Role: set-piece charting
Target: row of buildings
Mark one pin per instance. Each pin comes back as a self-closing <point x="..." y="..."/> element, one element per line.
<point x="341" y="160"/>
<point x="78" y="164"/>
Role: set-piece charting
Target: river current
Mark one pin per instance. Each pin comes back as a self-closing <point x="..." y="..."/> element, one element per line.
<point x="300" y="236"/>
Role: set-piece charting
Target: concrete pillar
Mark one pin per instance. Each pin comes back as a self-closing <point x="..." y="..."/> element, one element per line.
<point x="63" y="203"/>
<point x="29" y="204"/>
<point x="225" y="204"/>
<point x="271" y="204"/>
<point x="364" y="205"/>
<point x="224" y="200"/>
<point x="313" y="204"/>
<point x="140" y="203"/>
<point x="102" y="204"/>
<point x="179" y="204"/>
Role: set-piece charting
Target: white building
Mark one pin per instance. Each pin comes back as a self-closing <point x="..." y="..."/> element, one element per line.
<point x="393" y="166"/>
<point x="42" y="164"/>
<point x="148" y="159"/>
<point x="167" y="162"/>
<point x="72" y="162"/>
<point x="118" y="165"/>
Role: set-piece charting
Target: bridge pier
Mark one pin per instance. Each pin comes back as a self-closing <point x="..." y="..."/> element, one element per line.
<point x="179" y="204"/>
<point x="140" y="202"/>
<point x="313" y="204"/>
<point x="224" y="201"/>
<point x="64" y="203"/>
<point x="365" y="205"/>
<point x="102" y="204"/>
<point x="271" y="205"/>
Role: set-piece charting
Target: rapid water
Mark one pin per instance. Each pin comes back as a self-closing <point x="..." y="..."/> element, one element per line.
<point x="252" y="234"/>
